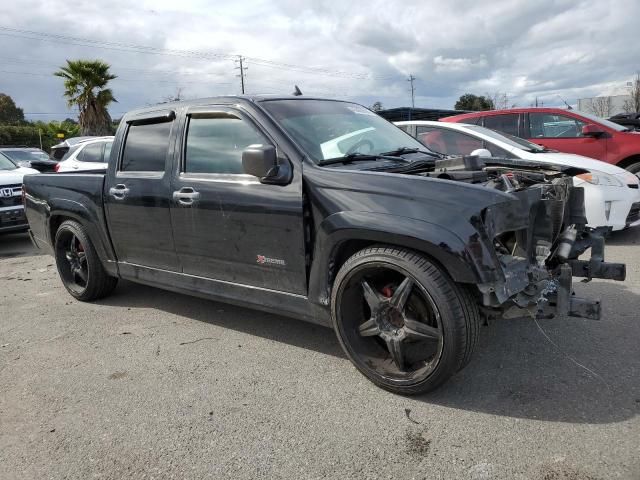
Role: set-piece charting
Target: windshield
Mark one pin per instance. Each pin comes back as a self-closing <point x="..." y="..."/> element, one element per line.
<point x="22" y="155"/>
<point x="515" y="142"/>
<point x="6" y="164"/>
<point x="606" y="123"/>
<point x="328" y="129"/>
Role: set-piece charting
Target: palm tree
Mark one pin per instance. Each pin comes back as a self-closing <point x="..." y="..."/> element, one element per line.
<point x="85" y="84"/>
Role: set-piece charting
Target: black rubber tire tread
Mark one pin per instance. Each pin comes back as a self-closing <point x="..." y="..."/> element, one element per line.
<point x="634" y="167"/>
<point x="99" y="284"/>
<point x="459" y="305"/>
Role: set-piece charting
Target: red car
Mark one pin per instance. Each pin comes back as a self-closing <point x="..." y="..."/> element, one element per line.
<point x="564" y="130"/>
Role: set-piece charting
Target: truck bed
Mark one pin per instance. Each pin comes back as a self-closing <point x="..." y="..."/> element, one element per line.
<point x="76" y="195"/>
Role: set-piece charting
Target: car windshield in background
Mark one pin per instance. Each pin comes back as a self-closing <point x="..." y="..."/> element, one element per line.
<point x="25" y="155"/>
<point x="328" y="129"/>
<point x="6" y="164"/>
<point x="605" y="122"/>
<point x="510" y="140"/>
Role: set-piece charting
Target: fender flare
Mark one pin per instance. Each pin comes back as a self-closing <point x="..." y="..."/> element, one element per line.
<point x="92" y="223"/>
<point x="442" y="245"/>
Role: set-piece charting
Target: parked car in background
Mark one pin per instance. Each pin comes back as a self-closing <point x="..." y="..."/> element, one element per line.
<point x="564" y="130"/>
<point x="612" y="196"/>
<point x="12" y="217"/>
<point x="59" y="151"/>
<point x="629" y="120"/>
<point x="91" y="154"/>
<point x="29" y="157"/>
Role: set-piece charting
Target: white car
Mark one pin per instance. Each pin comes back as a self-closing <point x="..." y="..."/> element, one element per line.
<point x="12" y="216"/>
<point x="90" y="154"/>
<point x="612" y="194"/>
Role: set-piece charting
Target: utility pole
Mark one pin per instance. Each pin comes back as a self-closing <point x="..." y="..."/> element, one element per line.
<point x="413" y="90"/>
<point x="242" y="70"/>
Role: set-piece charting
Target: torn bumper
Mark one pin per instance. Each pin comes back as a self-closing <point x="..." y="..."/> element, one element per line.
<point x="530" y="289"/>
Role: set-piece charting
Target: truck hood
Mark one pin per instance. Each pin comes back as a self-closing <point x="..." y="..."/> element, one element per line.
<point x="428" y="199"/>
<point x="10" y="177"/>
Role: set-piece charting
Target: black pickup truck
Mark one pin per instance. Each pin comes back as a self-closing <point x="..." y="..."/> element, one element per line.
<point x="322" y="210"/>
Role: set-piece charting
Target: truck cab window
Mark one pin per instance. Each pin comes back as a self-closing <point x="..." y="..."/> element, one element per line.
<point x="145" y="148"/>
<point x="215" y="145"/>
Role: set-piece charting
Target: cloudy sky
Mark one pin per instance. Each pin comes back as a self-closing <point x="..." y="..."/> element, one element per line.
<point x="357" y="50"/>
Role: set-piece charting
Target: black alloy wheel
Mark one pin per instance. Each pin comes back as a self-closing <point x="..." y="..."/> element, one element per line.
<point x="401" y="320"/>
<point x="79" y="266"/>
<point x="76" y="272"/>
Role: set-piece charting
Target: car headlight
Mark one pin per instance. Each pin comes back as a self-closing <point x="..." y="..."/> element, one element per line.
<point x="599" y="178"/>
<point x="631" y="179"/>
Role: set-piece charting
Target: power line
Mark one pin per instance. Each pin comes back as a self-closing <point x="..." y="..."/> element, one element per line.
<point x="15" y="32"/>
<point x="124" y="79"/>
<point x="42" y="36"/>
<point x="115" y="67"/>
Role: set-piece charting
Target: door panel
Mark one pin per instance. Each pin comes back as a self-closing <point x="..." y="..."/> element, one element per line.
<point x="234" y="228"/>
<point x="138" y="199"/>
<point x="564" y="133"/>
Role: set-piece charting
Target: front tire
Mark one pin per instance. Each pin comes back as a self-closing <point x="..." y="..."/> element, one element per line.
<point x="401" y="320"/>
<point x="79" y="266"/>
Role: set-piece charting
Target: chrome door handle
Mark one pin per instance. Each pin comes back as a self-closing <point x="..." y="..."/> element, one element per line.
<point x="119" y="191"/>
<point x="186" y="196"/>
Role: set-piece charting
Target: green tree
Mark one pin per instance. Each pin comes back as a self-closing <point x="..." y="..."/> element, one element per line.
<point x="377" y="106"/>
<point x="9" y="113"/>
<point x="85" y="83"/>
<point x="469" y="101"/>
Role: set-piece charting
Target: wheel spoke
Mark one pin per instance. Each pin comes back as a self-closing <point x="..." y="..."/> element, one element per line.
<point x="400" y="296"/>
<point x="373" y="298"/>
<point x="74" y="247"/>
<point x="82" y="257"/>
<point x="369" y="328"/>
<point x="81" y="273"/>
<point x="397" y="352"/>
<point x="420" y="331"/>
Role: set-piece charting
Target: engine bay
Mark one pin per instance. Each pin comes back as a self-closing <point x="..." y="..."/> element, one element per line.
<point x="507" y="175"/>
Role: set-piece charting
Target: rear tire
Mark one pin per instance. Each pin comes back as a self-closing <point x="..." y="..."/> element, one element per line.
<point x="79" y="266"/>
<point x="402" y="321"/>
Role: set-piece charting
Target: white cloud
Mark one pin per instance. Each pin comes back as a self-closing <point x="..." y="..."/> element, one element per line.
<point x="526" y="49"/>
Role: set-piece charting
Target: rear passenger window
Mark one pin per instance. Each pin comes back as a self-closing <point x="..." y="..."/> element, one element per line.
<point x="145" y="148"/>
<point x="91" y="153"/>
<point x="448" y="141"/>
<point x="215" y="145"/>
<point x="507" y="123"/>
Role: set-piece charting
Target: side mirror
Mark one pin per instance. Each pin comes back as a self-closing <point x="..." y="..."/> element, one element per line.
<point x="260" y="161"/>
<point x="592" y="130"/>
<point x="481" y="152"/>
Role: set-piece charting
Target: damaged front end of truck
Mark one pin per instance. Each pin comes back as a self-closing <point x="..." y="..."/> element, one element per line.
<point x="537" y="240"/>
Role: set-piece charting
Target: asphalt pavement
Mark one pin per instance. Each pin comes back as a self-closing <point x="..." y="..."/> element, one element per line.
<point x="153" y="384"/>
